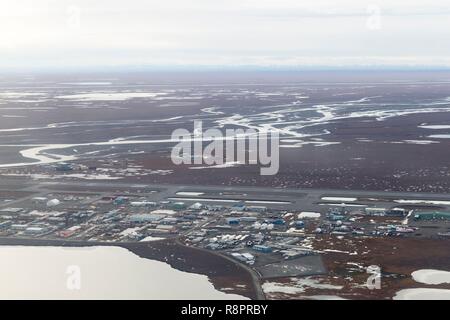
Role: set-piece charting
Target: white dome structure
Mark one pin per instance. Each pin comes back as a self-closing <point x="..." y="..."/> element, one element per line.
<point x="53" y="203"/>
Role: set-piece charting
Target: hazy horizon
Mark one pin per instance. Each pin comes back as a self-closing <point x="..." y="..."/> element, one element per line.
<point x="173" y="35"/>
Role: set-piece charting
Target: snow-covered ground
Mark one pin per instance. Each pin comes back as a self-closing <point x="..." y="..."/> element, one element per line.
<point x="190" y="194"/>
<point x="438" y="202"/>
<point x="296" y="286"/>
<point x="306" y="214"/>
<point x="109" y="96"/>
<point x="422" y="294"/>
<point x="150" y="238"/>
<point x="339" y="199"/>
<point x="431" y="276"/>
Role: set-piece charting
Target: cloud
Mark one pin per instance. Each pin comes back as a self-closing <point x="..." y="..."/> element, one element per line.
<point x="59" y="33"/>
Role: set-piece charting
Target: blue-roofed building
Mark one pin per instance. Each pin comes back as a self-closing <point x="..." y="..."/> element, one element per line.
<point x="275" y="221"/>
<point x="63" y="167"/>
<point x="299" y="224"/>
<point x="261" y="248"/>
<point x="239" y="206"/>
<point x="233" y="221"/>
<point x="120" y="201"/>
<point x="141" y="218"/>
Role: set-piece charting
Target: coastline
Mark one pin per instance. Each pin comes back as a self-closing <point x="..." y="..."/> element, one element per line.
<point x="223" y="272"/>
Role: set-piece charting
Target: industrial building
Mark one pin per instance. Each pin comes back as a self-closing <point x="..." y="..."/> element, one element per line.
<point x="141" y="218"/>
<point x="432" y="215"/>
<point x="261" y="248"/>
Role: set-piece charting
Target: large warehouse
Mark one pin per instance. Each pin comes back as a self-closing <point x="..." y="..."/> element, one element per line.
<point x="432" y="215"/>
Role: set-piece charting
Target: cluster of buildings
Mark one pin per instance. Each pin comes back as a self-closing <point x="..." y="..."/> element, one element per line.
<point x="250" y="234"/>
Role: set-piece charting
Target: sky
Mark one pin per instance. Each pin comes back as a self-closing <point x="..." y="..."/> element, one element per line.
<point x="39" y="34"/>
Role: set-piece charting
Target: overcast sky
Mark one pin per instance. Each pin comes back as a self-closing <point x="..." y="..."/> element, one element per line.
<point x="280" y="33"/>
